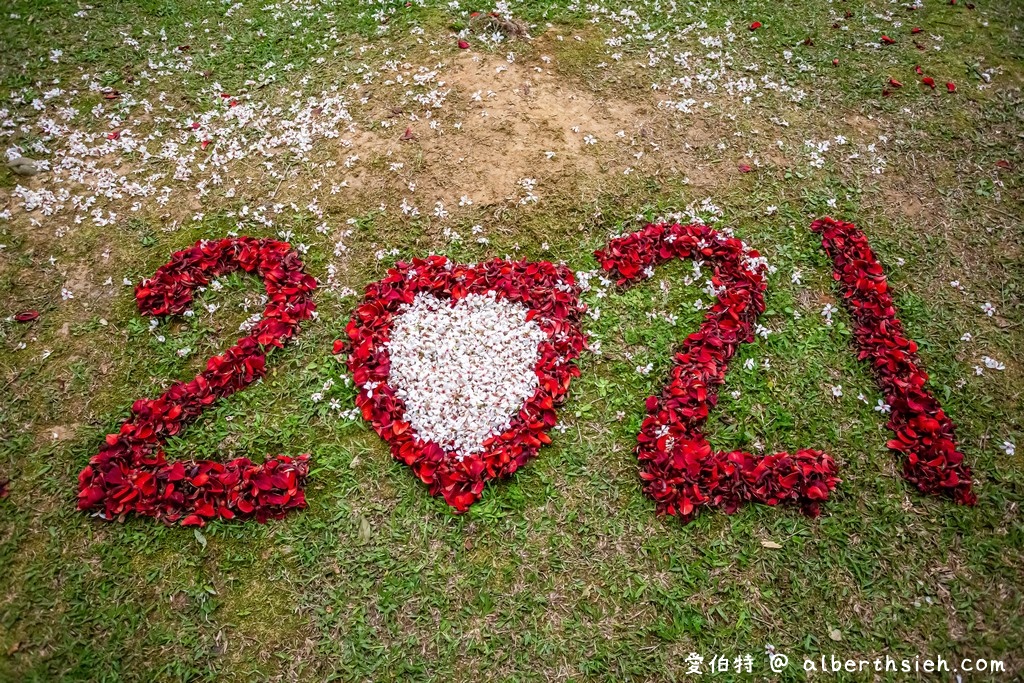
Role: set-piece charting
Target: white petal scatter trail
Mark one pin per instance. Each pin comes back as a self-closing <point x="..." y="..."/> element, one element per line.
<point x="465" y="369"/>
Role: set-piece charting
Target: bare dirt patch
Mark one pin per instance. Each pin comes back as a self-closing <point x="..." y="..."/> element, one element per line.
<point x="906" y="202"/>
<point x="862" y="124"/>
<point x="505" y="122"/>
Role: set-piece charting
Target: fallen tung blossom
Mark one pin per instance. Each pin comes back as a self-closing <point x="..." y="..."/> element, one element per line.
<point x="680" y="470"/>
<point x="463" y="369"/>
<point x="131" y="472"/>
<point x="191" y="153"/>
<point x="924" y="433"/>
<point x="386" y="321"/>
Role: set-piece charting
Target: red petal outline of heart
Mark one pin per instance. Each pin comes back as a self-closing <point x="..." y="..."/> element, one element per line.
<point x="551" y="294"/>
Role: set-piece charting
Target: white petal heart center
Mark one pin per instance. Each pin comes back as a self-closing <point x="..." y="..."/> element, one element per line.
<point x="464" y="370"/>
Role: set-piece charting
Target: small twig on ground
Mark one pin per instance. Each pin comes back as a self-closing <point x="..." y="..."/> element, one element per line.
<point x="281" y="182"/>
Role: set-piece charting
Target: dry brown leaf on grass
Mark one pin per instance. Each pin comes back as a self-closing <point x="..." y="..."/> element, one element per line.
<point x="365" y="530"/>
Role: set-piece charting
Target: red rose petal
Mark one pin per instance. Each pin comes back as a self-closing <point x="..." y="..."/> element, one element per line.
<point x="26" y="316"/>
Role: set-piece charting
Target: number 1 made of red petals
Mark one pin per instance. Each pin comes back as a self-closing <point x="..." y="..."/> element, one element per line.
<point x="924" y="433"/>
<point x="131" y="474"/>
<point x="680" y="470"/>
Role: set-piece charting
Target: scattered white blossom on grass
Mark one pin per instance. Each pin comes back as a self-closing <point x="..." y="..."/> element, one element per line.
<point x="992" y="363"/>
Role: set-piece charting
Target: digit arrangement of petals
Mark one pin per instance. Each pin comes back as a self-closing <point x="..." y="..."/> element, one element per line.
<point x="680" y="470"/>
<point x="924" y="433"/>
<point x="552" y="297"/>
<point x="131" y="472"/>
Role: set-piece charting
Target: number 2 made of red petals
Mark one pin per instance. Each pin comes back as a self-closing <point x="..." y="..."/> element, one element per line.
<point x="131" y="474"/>
<point x="680" y="470"/>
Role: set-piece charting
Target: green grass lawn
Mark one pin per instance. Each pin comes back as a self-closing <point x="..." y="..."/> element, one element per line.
<point x="563" y="572"/>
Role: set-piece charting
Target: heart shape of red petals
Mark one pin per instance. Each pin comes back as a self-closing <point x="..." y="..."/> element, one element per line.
<point x="924" y="433"/>
<point x="679" y="469"/>
<point x="552" y="297"/>
<point x="131" y="472"/>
